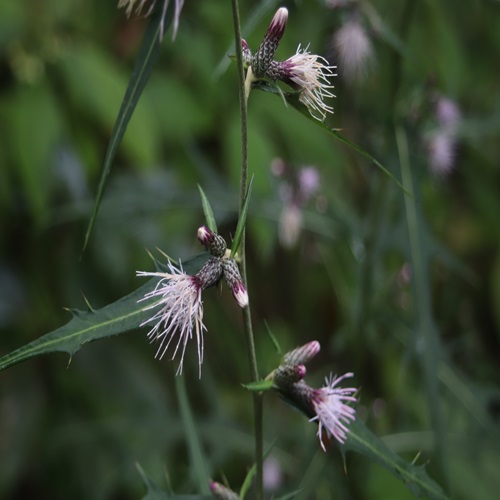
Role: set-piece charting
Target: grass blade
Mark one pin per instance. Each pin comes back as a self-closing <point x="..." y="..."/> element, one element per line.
<point x="207" y="210"/>
<point x="242" y="220"/>
<point x="148" y="55"/>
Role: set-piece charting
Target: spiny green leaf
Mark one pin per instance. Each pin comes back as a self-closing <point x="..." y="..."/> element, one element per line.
<point x="86" y="326"/>
<point x="207" y="210"/>
<point x="242" y="220"/>
<point x="362" y="440"/>
<point x="148" y="54"/>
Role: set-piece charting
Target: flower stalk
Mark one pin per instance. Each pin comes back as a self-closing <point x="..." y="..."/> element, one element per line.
<point x="243" y="92"/>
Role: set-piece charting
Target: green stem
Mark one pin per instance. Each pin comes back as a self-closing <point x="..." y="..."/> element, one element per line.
<point x="247" y="317"/>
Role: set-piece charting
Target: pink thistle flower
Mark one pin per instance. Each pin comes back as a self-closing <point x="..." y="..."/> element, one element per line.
<point x="332" y="413"/>
<point x="308" y="73"/>
<point x="177" y="296"/>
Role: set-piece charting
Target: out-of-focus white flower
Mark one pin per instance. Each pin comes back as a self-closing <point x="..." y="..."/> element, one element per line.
<point x="447" y="113"/>
<point x="273" y="474"/>
<point x="354" y="50"/>
<point x="179" y="314"/>
<point x="139" y="6"/>
<point x="290" y="225"/>
<point x="332" y="414"/>
<point x="442" y="142"/>
<point x="309" y="182"/>
<point x="441" y="146"/>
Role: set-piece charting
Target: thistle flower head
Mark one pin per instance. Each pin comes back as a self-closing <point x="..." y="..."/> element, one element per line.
<point x="305" y="72"/>
<point x="265" y="54"/>
<point x="139" y="5"/>
<point x="235" y="281"/>
<point x="331" y="411"/>
<point x="308" y="73"/>
<point x="179" y="308"/>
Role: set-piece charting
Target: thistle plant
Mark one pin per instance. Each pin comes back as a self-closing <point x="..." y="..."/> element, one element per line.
<point x="203" y="299"/>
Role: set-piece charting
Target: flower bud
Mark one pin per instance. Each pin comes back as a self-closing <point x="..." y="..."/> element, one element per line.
<point x="210" y="273"/>
<point x="235" y="282"/>
<point x="222" y="492"/>
<point x="213" y="242"/>
<point x="267" y="49"/>
<point x="302" y="354"/>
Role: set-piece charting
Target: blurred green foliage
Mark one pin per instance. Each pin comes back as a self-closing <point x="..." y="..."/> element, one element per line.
<point x="403" y="292"/>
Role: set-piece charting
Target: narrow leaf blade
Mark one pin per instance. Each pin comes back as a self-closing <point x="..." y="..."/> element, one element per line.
<point x="207" y="210"/>
<point x="363" y="441"/>
<point x="148" y="55"/>
<point x="240" y="228"/>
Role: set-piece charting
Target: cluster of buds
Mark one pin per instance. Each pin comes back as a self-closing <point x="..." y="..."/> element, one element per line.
<point x="304" y="72"/>
<point x="326" y="405"/>
<point x="177" y="300"/>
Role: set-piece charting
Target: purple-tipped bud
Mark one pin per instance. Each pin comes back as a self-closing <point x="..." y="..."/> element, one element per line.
<point x="302" y="354"/>
<point x="213" y="242"/>
<point x="246" y="53"/>
<point x="235" y="282"/>
<point x="220" y="491"/>
<point x="209" y="274"/>
<point x="267" y="49"/>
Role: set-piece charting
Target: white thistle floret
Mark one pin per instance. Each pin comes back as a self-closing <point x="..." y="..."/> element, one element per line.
<point x="180" y="311"/>
<point x="331" y="411"/>
<point x="311" y="72"/>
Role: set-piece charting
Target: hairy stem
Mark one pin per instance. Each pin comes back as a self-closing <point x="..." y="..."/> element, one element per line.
<point x="247" y="317"/>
